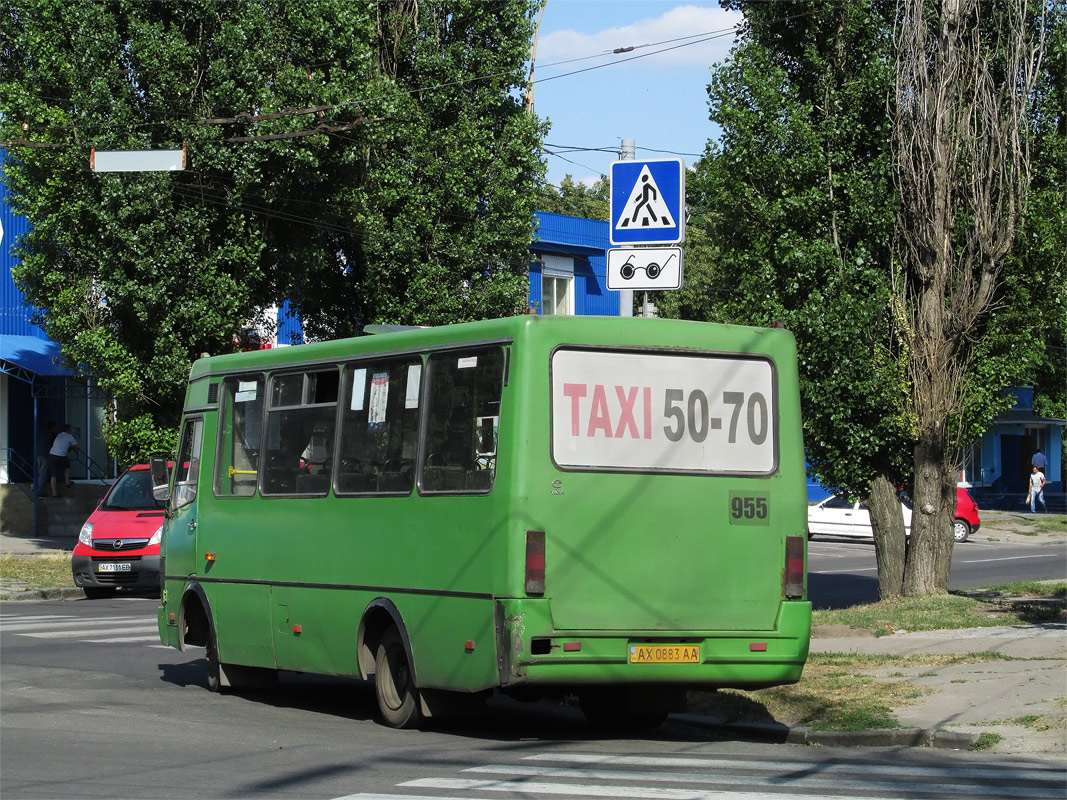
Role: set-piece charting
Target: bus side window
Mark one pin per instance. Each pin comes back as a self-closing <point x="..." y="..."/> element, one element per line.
<point x="462" y="419"/>
<point x="379" y="426"/>
<point x="240" y="423"/>
<point x="301" y="417"/>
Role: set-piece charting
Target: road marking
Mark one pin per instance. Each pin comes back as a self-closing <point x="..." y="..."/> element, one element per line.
<point x="832" y="768"/>
<point x="522" y="787"/>
<point x="1005" y="558"/>
<point x="66" y="623"/>
<point x="740" y="779"/>
<point x="141" y="628"/>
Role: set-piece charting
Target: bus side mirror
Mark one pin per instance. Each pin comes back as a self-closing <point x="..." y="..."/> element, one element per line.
<point x="161" y="467"/>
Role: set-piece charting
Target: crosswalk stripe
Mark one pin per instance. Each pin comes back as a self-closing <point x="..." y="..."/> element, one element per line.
<point x="740" y="779"/>
<point x="81" y="633"/>
<point x="517" y="787"/>
<point x="66" y="623"/>
<point x="836" y="768"/>
<point x="121" y="639"/>
<point x="29" y="617"/>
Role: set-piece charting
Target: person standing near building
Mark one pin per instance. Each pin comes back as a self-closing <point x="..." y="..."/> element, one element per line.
<point x="57" y="457"/>
<point x="1037" y="485"/>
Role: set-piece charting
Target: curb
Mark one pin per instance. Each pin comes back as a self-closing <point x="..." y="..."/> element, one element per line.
<point x="46" y="594"/>
<point x="879" y="737"/>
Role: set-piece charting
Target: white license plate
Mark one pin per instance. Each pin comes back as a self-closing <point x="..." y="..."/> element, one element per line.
<point x="120" y="566"/>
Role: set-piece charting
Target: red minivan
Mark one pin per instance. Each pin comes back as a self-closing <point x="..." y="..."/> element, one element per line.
<point x="118" y="546"/>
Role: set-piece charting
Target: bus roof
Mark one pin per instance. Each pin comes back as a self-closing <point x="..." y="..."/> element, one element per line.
<point x="578" y="329"/>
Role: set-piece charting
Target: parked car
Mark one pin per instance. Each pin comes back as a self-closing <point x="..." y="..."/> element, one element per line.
<point x="118" y="545"/>
<point x="838" y="516"/>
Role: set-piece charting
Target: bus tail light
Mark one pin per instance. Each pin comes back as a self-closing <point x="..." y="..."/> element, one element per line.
<point x="793" y="579"/>
<point x="535" y="562"/>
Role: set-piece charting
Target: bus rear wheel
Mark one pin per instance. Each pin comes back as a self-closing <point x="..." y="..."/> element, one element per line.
<point x="394" y="684"/>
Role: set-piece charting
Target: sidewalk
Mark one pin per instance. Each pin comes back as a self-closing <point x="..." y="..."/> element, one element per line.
<point x="966" y="700"/>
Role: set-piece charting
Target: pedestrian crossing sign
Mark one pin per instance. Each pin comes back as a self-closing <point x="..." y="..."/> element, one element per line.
<point x="648" y="202"/>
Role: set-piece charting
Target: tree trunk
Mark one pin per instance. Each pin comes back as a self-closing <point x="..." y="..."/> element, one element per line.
<point x="930" y="549"/>
<point x="890" y="543"/>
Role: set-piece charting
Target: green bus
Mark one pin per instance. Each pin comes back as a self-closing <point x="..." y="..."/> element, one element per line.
<point x="613" y="508"/>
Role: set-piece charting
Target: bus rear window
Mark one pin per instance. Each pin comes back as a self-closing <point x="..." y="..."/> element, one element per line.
<point x="659" y="412"/>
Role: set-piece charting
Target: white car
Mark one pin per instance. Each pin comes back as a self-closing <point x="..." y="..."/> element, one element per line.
<point x="837" y="516"/>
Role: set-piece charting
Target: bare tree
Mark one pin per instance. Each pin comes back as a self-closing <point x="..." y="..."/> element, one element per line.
<point x="965" y="73"/>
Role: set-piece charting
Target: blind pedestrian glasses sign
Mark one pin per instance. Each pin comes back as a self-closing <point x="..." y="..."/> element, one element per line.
<point x="648" y="202"/>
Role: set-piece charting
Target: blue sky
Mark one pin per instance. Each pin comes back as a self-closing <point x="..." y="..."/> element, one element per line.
<point x="655" y="94"/>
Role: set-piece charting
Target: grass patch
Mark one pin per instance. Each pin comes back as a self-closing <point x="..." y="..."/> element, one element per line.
<point x="1040" y="722"/>
<point x="1026" y="602"/>
<point x="1048" y="589"/>
<point x="35" y="572"/>
<point x="1040" y="523"/>
<point x="987" y="741"/>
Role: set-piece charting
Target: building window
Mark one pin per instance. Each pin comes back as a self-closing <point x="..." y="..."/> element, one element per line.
<point x="556" y="295"/>
<point x="557" y="285"/>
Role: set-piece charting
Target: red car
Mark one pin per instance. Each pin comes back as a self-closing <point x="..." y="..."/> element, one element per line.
<point x="967" y="521"/>
<point x="118" y="545"/>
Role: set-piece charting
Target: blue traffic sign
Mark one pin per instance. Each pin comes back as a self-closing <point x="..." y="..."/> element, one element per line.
<point x="648" y="202"/>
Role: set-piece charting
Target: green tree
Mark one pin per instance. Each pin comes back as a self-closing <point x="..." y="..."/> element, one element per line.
<point x="796" y="199"/>
<point x="576" y="199"/>
<point x="965" y="73"/>
<point x="370" y="162"/>
<point x="800" y="202"/>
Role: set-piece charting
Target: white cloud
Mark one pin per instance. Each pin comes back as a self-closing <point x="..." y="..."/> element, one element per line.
<point x="708" y="28"/>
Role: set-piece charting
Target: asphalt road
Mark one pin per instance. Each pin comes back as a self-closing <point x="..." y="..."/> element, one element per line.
<point x="91" y="706"/>
<point x="843" y="573"/>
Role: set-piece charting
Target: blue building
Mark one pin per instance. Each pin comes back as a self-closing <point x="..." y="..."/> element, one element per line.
<point x="34" y="389"/>
<point x="998" y="466"/>
<point x="569" y="271"/>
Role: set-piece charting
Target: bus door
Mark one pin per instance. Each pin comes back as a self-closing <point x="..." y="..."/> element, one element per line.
<point x="179" y="545"/>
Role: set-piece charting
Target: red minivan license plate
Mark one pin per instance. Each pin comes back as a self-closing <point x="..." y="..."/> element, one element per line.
<point x="114" y="566"/>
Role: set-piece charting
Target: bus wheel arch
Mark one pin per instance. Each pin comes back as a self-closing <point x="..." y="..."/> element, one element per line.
<point x="379" y="616"/>
<point x="194" y="618"/>
<point x="384" y="650"/>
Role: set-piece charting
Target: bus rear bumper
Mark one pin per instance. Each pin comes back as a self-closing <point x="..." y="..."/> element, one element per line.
<point x="534" y="653"/>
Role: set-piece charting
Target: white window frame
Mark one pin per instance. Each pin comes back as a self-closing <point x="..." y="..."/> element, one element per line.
<point x="557" y="269"/>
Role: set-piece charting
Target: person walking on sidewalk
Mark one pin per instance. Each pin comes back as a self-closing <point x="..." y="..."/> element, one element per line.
<point x="57" y="457"/>
<point x="1037" y="486"/>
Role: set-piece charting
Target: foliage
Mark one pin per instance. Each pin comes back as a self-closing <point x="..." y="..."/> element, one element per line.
<point x="795" y="199"/>
<point x="371" y="163"/>
<point x="576" y="199"/>
<point x="799" y="201"/>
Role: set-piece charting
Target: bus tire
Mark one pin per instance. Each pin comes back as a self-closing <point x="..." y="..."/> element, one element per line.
<point x="211" y="658"/>
<point x="394" y="685"/>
